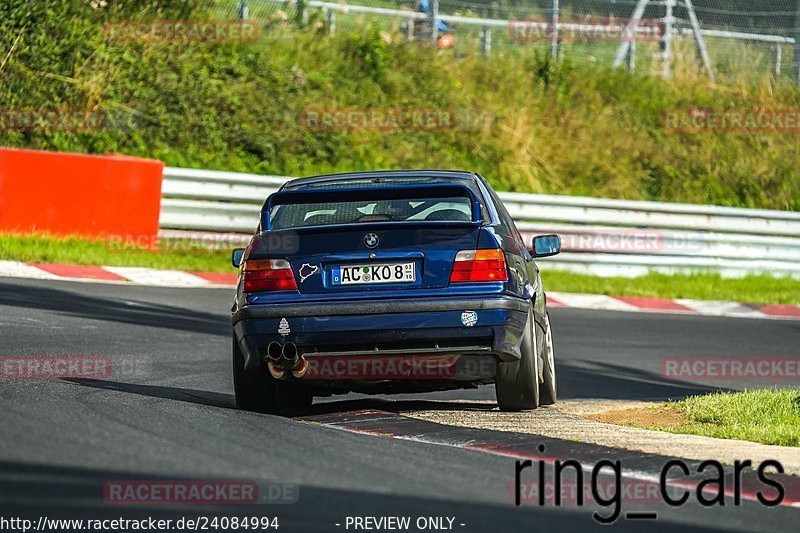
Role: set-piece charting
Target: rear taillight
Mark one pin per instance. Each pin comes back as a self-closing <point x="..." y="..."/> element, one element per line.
<point x="268" y="275"/>
<point x="479" y="265"/>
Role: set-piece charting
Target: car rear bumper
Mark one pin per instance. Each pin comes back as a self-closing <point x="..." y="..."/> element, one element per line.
<point x="490" y="326"/>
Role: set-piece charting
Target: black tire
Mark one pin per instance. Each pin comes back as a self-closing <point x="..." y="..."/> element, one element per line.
<point x="258" y="391"/>
<point x="548" y="393"/>
<point x="517" y="382"/>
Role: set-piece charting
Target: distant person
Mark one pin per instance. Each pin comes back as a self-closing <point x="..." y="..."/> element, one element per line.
<point x="446" y="39"/>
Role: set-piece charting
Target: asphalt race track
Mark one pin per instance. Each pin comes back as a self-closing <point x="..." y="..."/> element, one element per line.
<point x="166" y="412"/>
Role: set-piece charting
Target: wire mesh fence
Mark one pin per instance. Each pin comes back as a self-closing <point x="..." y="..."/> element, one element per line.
<point x="724" y="39"/>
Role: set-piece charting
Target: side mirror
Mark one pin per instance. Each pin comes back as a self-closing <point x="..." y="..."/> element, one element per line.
<point x="546" y="245"/>
<point x="236" y="257"/>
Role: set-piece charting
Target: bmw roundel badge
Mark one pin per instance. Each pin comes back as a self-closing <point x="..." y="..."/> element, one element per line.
<point x="371" y="240"/>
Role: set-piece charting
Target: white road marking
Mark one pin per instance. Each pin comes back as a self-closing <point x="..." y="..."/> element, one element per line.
<point x="593" y="301"/>
<point x="18" y="269"/>
<point x="721" y="308"/>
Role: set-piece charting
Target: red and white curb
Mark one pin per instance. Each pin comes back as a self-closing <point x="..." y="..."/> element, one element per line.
<point x="135" y="275"/>
<point x="680" y="306"/>
<point x="177" y="278"/>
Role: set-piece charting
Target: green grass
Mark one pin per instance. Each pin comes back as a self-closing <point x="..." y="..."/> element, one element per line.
<point x="769" y="416"/>
<point x="701" y="286"/>
<point x="173" y="254"/>
<point x="191" y="256"/>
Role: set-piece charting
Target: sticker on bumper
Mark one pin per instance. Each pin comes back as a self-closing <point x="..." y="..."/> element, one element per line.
<point x="469" y="318"/>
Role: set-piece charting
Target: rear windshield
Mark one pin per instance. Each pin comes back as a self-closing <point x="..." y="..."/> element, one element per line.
<point x="448" y="209"/>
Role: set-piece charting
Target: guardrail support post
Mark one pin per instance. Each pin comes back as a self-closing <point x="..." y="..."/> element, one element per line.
<point x="410" y="29"/>
<point x="486" y="40"/>
<point x="778" y="59"/>
<point x="554" y="29"/>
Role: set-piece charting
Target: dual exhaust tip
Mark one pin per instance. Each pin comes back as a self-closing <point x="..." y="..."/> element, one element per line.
<point x="285" y="358"/>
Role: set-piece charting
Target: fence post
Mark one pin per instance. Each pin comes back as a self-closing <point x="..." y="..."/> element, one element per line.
<point x="778" y="60"/>
<point x="702" y="50"/>
<point x="242" y="11"/>
<point x="302" y="10"/>
<point x="486" y="39"/>
<point x="434" y="24"/>
<point x="410" y="29"/>
<point x="666" y="39"/>
<point x="625" y="45"/>
<point x="331" y="21"/>
<point x="796" y="59"/>
<point x="554" y="21"/>
<point x="632" y="57"/>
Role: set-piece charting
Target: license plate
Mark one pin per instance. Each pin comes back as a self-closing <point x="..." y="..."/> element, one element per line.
<point x="373" y="273"/>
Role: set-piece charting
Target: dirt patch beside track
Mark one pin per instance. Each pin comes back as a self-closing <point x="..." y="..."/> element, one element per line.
<point x="664" y="417"/>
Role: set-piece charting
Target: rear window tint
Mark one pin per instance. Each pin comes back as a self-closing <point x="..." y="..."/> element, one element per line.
<point x="448" y="209"/>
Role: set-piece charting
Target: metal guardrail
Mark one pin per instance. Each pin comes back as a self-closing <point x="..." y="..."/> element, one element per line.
<point x="599" y="236"/>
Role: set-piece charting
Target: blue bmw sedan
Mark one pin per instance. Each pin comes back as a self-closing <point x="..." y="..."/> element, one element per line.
<point x="390" y="281"/>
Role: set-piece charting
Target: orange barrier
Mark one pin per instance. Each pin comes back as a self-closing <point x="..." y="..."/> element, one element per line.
<point x="76" y="194"/>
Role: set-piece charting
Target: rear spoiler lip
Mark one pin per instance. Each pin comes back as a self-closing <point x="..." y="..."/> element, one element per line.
<point x="284" y="197"/>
